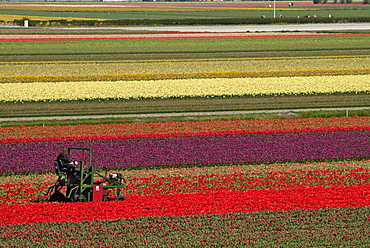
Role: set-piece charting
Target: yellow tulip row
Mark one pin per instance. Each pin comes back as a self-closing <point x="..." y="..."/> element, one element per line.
<point x="183" y="66"/>
<point x="195" y="75"/>
<point x="180" y="88"/>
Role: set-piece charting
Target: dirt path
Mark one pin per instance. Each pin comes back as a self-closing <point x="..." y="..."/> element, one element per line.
<point x="280" y="111"/>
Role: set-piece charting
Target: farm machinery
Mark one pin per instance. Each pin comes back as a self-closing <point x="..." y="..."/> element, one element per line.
<point x="85" y="184"/>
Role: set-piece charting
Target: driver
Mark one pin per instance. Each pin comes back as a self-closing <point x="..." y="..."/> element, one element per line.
<point x="67" y="163"/>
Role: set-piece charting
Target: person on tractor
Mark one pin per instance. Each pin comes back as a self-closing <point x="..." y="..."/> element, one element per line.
<point x="65" y="162"/>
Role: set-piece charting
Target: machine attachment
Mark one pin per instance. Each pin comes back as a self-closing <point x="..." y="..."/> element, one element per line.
<point x="117" y="179"/>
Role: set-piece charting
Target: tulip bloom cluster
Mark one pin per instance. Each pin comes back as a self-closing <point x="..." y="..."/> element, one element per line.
<point x="181" y="88"/>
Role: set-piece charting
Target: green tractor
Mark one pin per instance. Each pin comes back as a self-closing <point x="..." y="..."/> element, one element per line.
<point x="85" y="184"/>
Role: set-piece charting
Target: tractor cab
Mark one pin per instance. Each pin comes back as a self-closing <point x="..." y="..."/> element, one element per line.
<point x="84" y="184"/>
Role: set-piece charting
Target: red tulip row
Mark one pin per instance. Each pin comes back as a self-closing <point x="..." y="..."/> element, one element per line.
<point x="189" y="204"/>
<point x="187" y="134"/>
<point x="176" y="129"/>
<point x="280" y="180"/>
<point x="32" y="191"/>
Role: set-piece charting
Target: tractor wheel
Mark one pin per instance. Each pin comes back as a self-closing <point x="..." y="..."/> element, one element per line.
<point x="57" y="196"/>
<point x="119" y="198"/>
<point x="78" y="198"/>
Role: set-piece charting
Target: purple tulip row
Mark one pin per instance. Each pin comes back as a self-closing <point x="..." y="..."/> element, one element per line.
<point x="187" y="151"/>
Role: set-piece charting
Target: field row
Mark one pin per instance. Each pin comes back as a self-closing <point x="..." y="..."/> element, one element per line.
<point x="181" y="88"/>
<point x="205" y="150"/>
<point x="184" y="134"/>
<point x="39" y="182"/>
<point x="194" y="75"/>
<point x="166" y="69"/>
<point x="163" y="76"/>
<point x="30" y="188"/>
<point x="189" y="204"/>
<point x="291" y="228"/>
<point x="23" y="133"/>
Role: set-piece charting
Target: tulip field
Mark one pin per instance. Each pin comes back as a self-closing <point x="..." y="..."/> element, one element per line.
<point x="253" y="183"/>
<point x="238" y="182"/>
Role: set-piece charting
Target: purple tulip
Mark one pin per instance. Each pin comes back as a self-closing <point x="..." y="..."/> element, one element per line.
<point x="190" y="151"/>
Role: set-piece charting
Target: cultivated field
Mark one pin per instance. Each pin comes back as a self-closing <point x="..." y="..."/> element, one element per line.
<point x="51" y="11"/>
<point x="141" y="66"/>
<point x="287" y="179"/>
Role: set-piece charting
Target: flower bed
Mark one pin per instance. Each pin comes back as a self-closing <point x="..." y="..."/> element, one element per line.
<point x="241" y="178"/>
<point x="195" y="75"/>
<point x="185" y="128"/>
<point x="187" y="67"/>
<point x="189" y="151"/>
<point x="181" y="88"/>
<point x="189" y="204"/>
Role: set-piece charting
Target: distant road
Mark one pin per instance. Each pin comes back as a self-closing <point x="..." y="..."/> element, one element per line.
<point x="261" y="28"/>
<point x="278" y="111"/>
<point x="250" y="28"/>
